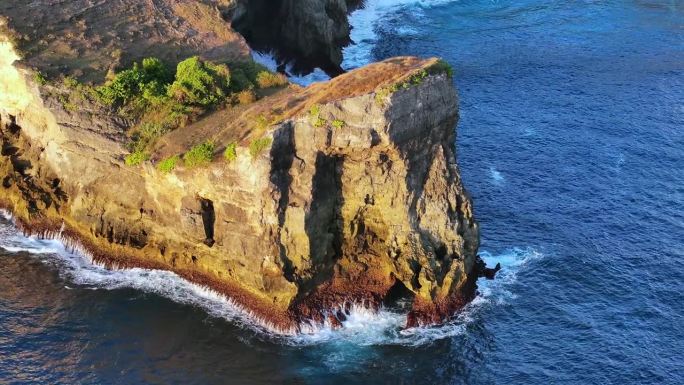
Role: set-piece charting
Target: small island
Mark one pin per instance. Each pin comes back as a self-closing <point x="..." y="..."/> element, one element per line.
<point x="142" y="134"/>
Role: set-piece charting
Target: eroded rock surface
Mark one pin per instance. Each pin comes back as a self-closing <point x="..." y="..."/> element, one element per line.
<point x="357" y="198"/>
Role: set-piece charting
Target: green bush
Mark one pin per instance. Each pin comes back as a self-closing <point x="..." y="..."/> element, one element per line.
<point x="200" y="155"/>
<point x="442" y="66"/>
<point x="259" y="145"/>
<point x="314" y="115"/>
<point x="40" y="78"/>
<point x="147" y="81"/>
<point x="338" y="123"/>
<point x="231" y="152"/>
<point x="248" y="72"/>
<point x="136" y="158"/>
<point x="260" y="124"/>
<point x="169" y="164"/>
<point x="200" y="83"/>
<point x="71" y="82"/>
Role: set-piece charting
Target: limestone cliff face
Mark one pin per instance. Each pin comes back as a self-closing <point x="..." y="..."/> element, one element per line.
<point x="358" y="204"/>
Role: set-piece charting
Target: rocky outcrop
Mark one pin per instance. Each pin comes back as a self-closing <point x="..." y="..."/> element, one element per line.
<point x="355" y="199"/>
<point x="303" y="33"/>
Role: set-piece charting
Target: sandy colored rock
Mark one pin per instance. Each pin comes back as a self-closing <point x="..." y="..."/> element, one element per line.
<point x="356" y="198"/>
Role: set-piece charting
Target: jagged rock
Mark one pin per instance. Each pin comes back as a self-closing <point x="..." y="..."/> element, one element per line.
<point x="357" y="198"/>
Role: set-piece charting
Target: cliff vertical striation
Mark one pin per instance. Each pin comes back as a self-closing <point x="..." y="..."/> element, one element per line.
<point x="352" y="195"/>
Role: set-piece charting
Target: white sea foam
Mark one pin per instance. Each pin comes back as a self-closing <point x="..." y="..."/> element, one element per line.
<point x="363" y="34"/>
<point x="78" y="268"/>
<point x="497" y="177"/>
<point x="267" y="60"/>
<point x="385" y="327"/>
<point x="363" y="327"/>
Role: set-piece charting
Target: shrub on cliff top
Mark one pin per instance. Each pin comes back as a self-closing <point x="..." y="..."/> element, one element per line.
<point x="257" y="146"/>
<point x="147" y="80"/>
<point x="200" y="155"/>
<point x="442" y="66"/>
<point x="200" y="82"/>
<point x="231" y="152"/>
<point x="246" y="97"/>
<point x="136" y="158"/>
<point x="169" y="164"/>
<point x="40" y="78"/>
<point x="338" y="123"/>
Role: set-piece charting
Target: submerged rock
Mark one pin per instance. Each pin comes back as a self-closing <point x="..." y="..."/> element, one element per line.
<point x="353" y="196"/>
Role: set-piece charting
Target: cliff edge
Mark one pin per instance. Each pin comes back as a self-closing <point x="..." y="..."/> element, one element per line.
<point x="341" y="193"/>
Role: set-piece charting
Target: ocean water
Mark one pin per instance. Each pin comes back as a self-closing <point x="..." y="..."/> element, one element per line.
<point x="571" y="143"/>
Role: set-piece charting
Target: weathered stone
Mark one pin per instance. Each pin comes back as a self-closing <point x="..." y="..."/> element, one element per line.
<point x="360" y="203"/>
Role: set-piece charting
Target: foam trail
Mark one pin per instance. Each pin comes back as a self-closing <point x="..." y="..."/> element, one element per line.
<point x="79" y="269"/>
<point x="363" y="327"/>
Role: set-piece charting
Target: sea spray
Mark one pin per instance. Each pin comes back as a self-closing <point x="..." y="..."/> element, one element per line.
<point x="362" y="325"/>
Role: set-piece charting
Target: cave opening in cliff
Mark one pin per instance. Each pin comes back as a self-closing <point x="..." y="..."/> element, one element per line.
<point x="208" y="220"/>
<point x="399" y="297"/>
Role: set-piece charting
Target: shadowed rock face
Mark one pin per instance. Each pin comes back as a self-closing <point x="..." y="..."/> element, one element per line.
<point x="357" y="198"/>
<point x="304" y="33"/>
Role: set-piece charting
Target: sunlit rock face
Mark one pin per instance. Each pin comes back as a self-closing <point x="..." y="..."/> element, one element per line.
<point x="356" y="199"/>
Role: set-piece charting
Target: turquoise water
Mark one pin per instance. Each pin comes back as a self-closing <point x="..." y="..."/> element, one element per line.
<point x="571" y="142"/>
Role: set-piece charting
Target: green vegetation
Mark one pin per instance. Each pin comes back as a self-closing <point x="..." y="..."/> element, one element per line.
<point x="200" y="83"/>
<point x="257" y="146"/>
<point x="251" y="75"/>
<point x="418" y="78"/>
<point x="137" y="157"/>
<point x="260" y="124"/>
<point x="40" y="78"/>
<point x="315" y="116"/>
<point x="414" y="80"/>
<point x="200" y="155"/>
<point x="71" y="82"/>
<point x="442" y="66"/>
<point x="74" y="94"/>
<point x="161" y="100"/>
<point x="169" y="164"/>
<point x="230" y="154"/>
<point x="145" y="82"/>
<point x="338" y="123"/>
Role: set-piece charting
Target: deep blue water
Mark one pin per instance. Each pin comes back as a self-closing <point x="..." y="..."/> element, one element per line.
<point x="571" y="142"/>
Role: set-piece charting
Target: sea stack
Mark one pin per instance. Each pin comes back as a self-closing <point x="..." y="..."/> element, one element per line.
<point x="312" y="199"/>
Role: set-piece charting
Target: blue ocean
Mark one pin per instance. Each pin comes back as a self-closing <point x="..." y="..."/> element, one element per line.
<point x="571" y="143"/>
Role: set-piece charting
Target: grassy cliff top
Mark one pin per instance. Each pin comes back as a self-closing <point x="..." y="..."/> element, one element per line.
<point x="89" y="38"/>
<point x="248" y="122"/>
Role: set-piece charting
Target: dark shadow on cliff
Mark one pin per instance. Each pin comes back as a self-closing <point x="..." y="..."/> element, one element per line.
<point x="323" y="222"/>
<point x="306" y="34"/>
<point x="282" y="156"/>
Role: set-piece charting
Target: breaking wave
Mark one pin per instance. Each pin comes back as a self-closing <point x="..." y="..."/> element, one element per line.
<point x="363" y="327"/>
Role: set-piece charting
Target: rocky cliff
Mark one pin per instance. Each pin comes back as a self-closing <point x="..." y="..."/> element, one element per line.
<point x="355" y="197"/>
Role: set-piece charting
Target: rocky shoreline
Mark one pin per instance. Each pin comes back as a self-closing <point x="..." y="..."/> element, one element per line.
<point x="354" y="198"/>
